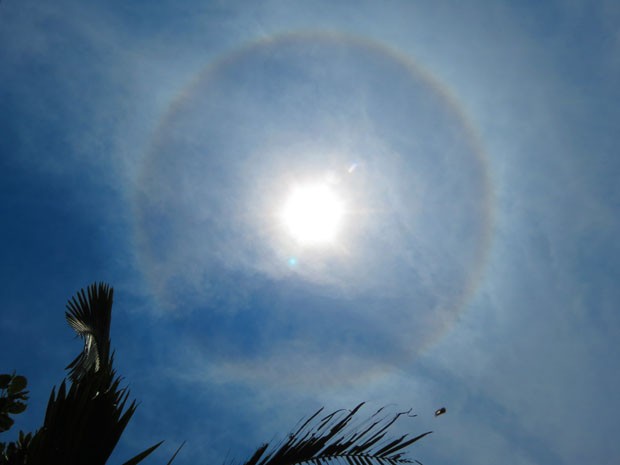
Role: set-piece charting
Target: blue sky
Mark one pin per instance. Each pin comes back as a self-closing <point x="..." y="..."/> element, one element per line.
<point x="473" y="145"/>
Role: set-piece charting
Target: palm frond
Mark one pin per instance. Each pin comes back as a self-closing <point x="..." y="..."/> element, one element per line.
<point x="142" y="455"/>
<point x="332" y="439"/>
<point x="90" y="314"/>
<point x="86" y="418"/>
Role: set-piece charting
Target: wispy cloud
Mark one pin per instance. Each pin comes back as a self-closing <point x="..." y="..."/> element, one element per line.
<point x="175" y="133"/>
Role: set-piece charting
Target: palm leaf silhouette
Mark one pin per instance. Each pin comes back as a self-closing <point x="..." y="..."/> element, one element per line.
<point x="332" y="439"/>
<point x="86" y="417"/>
<point x="84" y="421"/>
<point x="90" y="316"/>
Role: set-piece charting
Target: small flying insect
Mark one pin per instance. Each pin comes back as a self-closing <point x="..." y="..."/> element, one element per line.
<point x="440" y="411"/>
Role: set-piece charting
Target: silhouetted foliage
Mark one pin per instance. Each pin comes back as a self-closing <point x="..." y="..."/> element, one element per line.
<point x="13" y="397"/>
<point x="331" y="438"/>
<point x="87" y="415"/>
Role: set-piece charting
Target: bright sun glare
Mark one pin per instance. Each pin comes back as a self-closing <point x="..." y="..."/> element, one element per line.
<point x="313" y="214"/>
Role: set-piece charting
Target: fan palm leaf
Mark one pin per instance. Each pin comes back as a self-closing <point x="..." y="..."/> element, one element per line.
<point x="90" y="314"/>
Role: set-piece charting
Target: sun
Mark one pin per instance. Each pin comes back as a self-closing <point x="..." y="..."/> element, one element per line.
<point x="313" y="214"/>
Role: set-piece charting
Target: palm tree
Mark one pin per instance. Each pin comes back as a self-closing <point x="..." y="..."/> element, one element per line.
<point x="86" y="417"/>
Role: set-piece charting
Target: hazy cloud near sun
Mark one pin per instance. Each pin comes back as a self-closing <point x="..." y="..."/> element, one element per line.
<point x="306" y="108"/>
